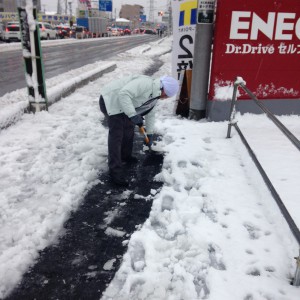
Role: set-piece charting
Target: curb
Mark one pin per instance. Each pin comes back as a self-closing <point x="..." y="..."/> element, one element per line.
<point x="54" y="95"/>
<point x="66" y="91"/>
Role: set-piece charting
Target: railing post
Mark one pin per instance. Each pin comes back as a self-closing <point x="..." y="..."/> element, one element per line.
<point x="232" y="122"/>
<point x="296" y="281"/>
<point x="232" y="108"/>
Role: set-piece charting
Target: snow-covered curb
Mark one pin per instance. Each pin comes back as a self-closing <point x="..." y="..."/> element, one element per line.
<point x="13" y="105"/>
<point x="66" y="88"/>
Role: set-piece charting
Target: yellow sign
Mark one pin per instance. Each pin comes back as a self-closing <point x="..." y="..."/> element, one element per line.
<point x="9" y="16"/>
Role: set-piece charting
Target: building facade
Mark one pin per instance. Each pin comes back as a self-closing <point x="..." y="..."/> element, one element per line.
<point x="132" y="13"/>
<point x="8" y="6"/>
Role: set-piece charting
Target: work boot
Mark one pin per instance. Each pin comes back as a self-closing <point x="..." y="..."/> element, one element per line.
<point x="130" y="160"/>
<point x="118" y="178"/>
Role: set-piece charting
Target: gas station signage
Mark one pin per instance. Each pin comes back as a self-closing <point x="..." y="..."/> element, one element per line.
<point x="260" y="43"/>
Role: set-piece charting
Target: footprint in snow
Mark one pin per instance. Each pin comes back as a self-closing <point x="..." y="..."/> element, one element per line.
<point x="167" y="203"/>
<point x="207" y="140"/>
<point x="253" y="272"/>
<point x="196" y="164"/>
<point x="137" y="255"/>
<point x="182" y="164"/>
<point x="163" y="232"/>
<point x="248" y="251"/>
<point x="253" y="231"/>
<point x="214" y="256"/>
<point x="228" y="211"/>
<point x="211" y="213"/>
<point x="201" y="286"/>
<point x="270" y="269"/>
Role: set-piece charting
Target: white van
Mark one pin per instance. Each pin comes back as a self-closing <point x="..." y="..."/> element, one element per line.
<point x="12" y="33"/>
<point x="47" y="32"/>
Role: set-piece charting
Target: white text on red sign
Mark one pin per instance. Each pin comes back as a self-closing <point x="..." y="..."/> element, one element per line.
<point x="246" y="25"/>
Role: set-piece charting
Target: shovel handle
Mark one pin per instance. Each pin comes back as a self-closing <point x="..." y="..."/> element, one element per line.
<point x="142" y="131"/>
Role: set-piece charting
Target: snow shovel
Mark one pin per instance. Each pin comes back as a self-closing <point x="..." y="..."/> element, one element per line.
<point x="146" y="139"/>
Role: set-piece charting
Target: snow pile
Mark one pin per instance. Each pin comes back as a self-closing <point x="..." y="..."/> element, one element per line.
<point x="223" y="90"/>
<point x="214" y="231"/>
<point x="206" y="237"/>
<point x="48" y="162"/>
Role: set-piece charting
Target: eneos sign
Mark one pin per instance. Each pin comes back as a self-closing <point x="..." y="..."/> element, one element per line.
<point x="259" y="41"/>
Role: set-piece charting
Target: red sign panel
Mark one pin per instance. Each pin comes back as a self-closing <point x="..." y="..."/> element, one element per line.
<point x="260" y="42"/>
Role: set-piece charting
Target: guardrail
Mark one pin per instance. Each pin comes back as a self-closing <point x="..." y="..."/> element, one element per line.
<point x="239" y="82"/>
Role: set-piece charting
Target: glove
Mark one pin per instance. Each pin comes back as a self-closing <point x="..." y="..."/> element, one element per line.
<point x="137" y="120"/>
<point x="150" y="137"/>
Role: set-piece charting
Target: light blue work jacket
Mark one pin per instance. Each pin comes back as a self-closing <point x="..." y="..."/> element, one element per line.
<point x="126" y="94"/>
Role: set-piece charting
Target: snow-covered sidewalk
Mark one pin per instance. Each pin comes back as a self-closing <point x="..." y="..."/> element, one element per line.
<point x="214" y="231"/>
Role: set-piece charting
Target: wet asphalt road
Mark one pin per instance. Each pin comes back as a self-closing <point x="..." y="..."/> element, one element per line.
<point x="59" y="59"/>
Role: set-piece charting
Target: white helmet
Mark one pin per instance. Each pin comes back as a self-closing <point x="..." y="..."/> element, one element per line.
<point x="170" y="85"/>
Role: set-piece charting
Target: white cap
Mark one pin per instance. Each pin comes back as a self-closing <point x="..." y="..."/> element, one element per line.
<point x="170" y="85"/>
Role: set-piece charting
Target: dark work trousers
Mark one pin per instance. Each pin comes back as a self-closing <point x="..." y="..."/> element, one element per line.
<point x="120" y="138"/>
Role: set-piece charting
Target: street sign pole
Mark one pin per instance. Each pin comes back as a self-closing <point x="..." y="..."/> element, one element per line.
<point x="202" y="56"/>
<point x="32" y="55"/>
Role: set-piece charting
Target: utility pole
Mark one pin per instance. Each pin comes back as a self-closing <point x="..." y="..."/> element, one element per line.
<point x="59" y="8"/>
<point x="70" y="9"/>
<point x="66" y="7"/>
<point x="202" y="56"/>
<point x="38" y="6"/>
<point x="151" y="11"/>
<point x="170" y="19"/>
<point x="44" y="8"/>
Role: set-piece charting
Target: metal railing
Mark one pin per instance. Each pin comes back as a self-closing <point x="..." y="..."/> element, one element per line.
<point x="233" y="123"/>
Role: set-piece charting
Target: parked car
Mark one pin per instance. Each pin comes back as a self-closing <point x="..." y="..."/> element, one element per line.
<point x="47" y="32"/>
<point x="12" y="23"/>
<point x="138" y="30"/>
<point x="127" y="31"/>
<point x="63" y="31"/>
<point x="12" y="33"/>
<point x="121" y="31"/>
<point x="81" y="32"/>
<point x="149" y="31"/>
<point x="115" y="32"/>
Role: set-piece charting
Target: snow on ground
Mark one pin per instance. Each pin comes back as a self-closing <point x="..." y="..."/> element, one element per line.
<point x="214" y="231"/>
